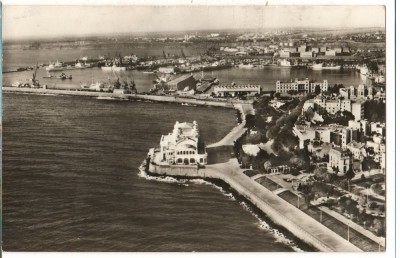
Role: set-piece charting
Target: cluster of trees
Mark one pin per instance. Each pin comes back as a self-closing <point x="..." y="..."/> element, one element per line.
<point x="282" y="130"/>
<point x="369" y="163"/>
<point x="375" y="111"/>
<point x="341" y="117"/>
<point x="130" y="86"/>
<point x="334" y="89"/>
<point x="374" y="224"/>
<point x="377" y="188"/>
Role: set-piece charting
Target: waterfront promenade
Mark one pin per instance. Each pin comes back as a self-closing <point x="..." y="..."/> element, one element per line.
<point x="239" y="130"/>
<point x="282" y="213"/>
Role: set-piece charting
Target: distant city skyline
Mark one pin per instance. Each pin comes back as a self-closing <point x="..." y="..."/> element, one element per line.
<point x="22" y="22"/>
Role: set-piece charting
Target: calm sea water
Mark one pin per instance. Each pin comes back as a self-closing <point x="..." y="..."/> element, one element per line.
<point x="71" y="181"/>
<point x="266" y="77"/>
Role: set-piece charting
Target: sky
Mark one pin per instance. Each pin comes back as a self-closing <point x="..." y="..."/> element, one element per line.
<point x="53" y="21"/>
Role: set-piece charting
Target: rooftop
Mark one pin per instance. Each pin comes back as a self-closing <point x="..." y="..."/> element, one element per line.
<point x="180" y="78"/>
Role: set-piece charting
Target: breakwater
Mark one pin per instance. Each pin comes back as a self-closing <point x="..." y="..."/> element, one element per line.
<point x="110" y="95"/>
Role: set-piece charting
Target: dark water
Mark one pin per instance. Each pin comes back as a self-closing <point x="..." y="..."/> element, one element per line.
<point x="71" y="183"/>
<point x="266" y="77"/>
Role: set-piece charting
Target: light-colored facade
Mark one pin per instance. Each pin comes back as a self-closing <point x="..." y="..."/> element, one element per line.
<point x="300" y="86"/>
<point x="340" y="159"/>
<point x="330" y="53"/>
<point x="333" y="133"/>
<point x="357" y="109"/>
<point x="332" y="106"/>
<point x="357" y="149"/>
<point x="182" y="146"/>
<point x="236" y="90"/>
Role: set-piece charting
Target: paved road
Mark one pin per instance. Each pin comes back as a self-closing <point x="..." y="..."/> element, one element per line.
<point x="237" y="131"/>
<point x="332" y="213"/>
<point x="269" y="203"/>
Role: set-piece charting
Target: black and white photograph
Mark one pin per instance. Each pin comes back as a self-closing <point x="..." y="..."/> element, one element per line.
<point x="196" y="128"/>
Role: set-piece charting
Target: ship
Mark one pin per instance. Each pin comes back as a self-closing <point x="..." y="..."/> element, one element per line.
<point x="62" y="76"/>
<point x="316" y="67"/>
<point x="80" y="65"/>
<point x="57" y="66"/>
<point x="246" y="65"/>
<point x="285" y="63"/>
<point x="113" y="68"/>
<point x="150" y="71"/>
<point x="321" y="66"/>
<point x="17" y="84"/>
<point x="364" y="70"/>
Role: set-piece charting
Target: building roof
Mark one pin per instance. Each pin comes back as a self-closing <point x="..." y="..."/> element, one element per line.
<point x="355" y="144"/>
<point x="180" y="78"/>
<point x="228" y="87"/>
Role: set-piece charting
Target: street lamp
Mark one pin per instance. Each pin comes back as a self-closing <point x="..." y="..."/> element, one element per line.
<point x="320" y="216"/>
<point x="348" y="232"/>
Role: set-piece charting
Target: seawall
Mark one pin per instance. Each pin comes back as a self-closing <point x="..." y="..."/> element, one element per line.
<point x="278" y="210"/>
<point x="155" y="98"/>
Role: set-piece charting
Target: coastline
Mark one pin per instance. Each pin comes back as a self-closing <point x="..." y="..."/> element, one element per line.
<point x="262" y="199"/>
<point x="274" y="207"/>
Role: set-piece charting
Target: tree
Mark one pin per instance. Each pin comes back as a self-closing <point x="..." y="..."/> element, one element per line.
<point x="320" y="172"/>
<point x="317" y="89"/>
<point x="117" y="84"/>
<point x="350" y="174"/>
<point x="132" y="86"/>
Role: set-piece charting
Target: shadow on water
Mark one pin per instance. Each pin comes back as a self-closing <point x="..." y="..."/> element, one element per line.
<point x="220" y="154"/>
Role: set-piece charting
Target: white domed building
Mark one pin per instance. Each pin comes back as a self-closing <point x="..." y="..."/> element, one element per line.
<point x="182" y="146"/>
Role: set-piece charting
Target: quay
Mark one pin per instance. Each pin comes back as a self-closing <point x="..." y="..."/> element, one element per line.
<point x="143" y="97"/>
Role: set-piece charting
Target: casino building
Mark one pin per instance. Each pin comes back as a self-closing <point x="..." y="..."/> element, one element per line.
<point x="181" y="147"/>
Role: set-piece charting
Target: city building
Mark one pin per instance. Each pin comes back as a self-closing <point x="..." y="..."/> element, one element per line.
<point x="300" y="86"/>
<point x="357" y="109"/>
<point x="167" y="69"/>
<point x="284" y="54"/>
<point x="330" y="53"/>
<point x="236" y="90"/>
<point x="306" y="54"/>
<point x="340" y="160"/>
<point x="332" y="105"/>
<point x="182" y="83"/>
<point x="337" y="134"/>
<point x="357" y="149"/>
<point x="182" y="146"/>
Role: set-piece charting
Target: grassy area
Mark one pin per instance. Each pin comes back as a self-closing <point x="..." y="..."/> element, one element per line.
<point x="336" y="226"/>
<point x="251" y="173"/>
<point x="267" y="183"/>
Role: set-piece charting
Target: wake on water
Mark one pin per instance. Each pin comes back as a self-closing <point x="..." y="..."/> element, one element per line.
<point x="263" y="225"/>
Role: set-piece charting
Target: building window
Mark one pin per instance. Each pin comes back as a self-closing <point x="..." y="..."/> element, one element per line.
<point x="201" y="160"/>
<point x="179" y="161"/>
<point x="192" y="161"/>
<point x="186" y="161"/>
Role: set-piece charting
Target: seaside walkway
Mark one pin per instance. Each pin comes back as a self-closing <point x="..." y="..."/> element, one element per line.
<point x="237" y="131"/>
<point x="280" y="211"/>
<point x="332" y="213"/>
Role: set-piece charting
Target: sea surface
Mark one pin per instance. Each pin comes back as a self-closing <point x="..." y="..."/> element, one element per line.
<point x="266" y="76"/>
<point x="71" y="181"/>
